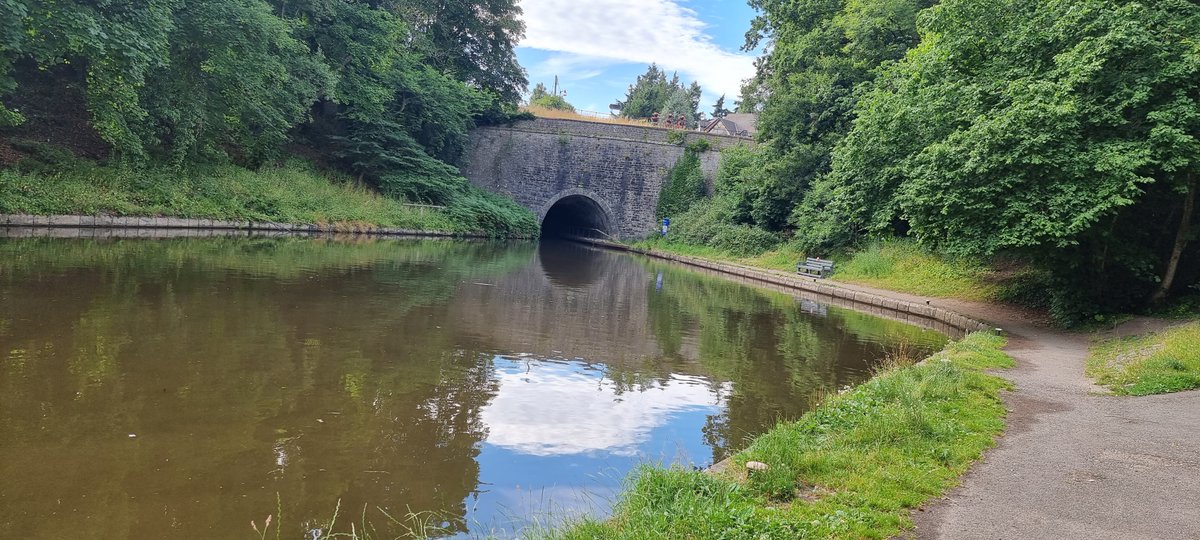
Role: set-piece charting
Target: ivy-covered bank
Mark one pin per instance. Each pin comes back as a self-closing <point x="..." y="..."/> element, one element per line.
<point x="854" y="467"/>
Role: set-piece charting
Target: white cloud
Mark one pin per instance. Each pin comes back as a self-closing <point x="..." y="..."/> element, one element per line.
<point x="563" y="408"/>
<point x="570" y="67"/>
<point x="634" y="31"/>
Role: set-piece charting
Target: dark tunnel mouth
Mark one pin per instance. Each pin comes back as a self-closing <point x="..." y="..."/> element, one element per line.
<point x="576" y="215"/>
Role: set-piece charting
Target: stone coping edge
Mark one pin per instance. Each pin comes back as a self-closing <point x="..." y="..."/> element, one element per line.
<point x="126" y="222"/>
<point x="589" y="123"/>
<point x="699" y="134"/>
<point x="822" y="287"/>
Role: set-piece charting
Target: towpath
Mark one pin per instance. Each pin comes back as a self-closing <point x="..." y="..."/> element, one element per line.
<point x="1074" y="463"/>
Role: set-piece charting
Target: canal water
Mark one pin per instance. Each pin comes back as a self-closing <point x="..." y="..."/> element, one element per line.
<point x="181" y="388"/>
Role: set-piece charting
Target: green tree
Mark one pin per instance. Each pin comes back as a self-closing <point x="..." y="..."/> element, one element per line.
<point x="719" y="110"/>
<point x="106" y="48"/>
<point x="1066" y="130"/>
<point x="822" y="54"/>
<point x="540" y="97"/>
<point x="653" y="93"/>
<point x="386" y="89"/>
<point x="754" y="91"/>
<point x="239" y="87"/>
<point x="474" y="41"/>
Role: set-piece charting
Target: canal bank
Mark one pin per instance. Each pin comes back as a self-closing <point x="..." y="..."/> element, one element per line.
<point x="102" y="226"/>
<point x="878" y="301"/>
<point x="1074" y="462"/>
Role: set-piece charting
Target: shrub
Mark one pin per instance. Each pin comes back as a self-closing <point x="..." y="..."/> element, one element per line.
<point x="709" y="223"/>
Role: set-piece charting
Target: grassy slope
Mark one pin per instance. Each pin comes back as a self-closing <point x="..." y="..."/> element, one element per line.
<point x="852" y="468"/>
<point x="897" y="265"/>
<point x="292" y="193"/>
<point x="905" y="267"/>
<point x="1167" y="361"/>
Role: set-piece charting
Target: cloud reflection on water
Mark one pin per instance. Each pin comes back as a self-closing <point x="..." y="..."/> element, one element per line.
<point x="553" y="407"/>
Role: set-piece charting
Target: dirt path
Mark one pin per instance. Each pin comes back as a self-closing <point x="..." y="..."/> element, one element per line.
<point x="1074" y="463"/>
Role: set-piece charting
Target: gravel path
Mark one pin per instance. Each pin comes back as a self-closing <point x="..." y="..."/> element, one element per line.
<point x="1074" y="463"/>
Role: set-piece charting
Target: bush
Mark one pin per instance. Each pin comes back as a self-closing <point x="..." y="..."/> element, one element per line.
<point x="420" y="188"/>
<point x="552" y="102"/>
<point x="477" y="210"/>
<point x="709" y="224"/>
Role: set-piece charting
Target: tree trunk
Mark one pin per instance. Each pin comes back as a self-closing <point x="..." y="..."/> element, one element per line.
<point x="1181" y="241"/>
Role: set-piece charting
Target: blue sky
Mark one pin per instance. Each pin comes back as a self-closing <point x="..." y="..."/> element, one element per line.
<point x="599" y="47"/>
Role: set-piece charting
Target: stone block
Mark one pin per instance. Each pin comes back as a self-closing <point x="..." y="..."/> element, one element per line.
<point x="63" y="221"/>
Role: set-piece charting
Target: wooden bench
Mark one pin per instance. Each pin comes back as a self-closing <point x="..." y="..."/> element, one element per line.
<point x="818" y="268"/>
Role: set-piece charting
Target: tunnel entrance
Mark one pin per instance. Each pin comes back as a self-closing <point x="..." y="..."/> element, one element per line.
<point x="576" y="215"/>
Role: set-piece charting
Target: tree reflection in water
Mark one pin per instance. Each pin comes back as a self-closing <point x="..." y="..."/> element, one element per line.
<point x="173" y="387"/>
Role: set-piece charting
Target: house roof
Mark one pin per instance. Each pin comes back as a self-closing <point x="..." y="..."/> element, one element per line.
<point x="744" y="121"/>
<point x="738" y="124"/>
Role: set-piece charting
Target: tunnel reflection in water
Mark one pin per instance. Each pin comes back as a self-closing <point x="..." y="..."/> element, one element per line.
<point x="576" y="215"/>
<point x="571" y="264"/>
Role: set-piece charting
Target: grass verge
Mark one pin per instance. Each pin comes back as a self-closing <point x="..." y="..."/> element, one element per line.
<point x="896" y="265"/>
<point x="903" y="266"/>
<point x="1158" y="363"/>
<point x="293" y="192"/>
<point x="854" y="467"/>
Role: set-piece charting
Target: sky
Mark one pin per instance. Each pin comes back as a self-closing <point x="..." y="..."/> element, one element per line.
<point x="599" y="47"/>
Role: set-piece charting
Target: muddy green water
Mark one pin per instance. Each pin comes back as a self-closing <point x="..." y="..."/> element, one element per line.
<point x="175" y="388"/>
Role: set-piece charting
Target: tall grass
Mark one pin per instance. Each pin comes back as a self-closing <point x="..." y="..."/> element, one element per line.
<point x="1159" y="363"/>
<point x="903" y="266"/>
<point x="544" y="112"/>
<point x="854" y="467"/>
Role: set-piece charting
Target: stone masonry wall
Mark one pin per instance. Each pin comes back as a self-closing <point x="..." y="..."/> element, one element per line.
<point x="621" y="168"/>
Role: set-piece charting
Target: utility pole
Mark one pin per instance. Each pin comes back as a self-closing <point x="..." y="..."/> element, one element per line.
<point x="556" y="85"/>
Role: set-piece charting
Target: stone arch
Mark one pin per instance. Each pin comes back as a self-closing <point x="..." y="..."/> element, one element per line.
<point x="594" y="213"/>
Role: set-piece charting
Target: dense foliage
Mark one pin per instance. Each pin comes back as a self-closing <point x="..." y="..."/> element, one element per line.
<point x="385" y="90"/>
<point x="1065" y="132"/>
<point x="719" y="220"/>
<point x="653" y="93"/>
